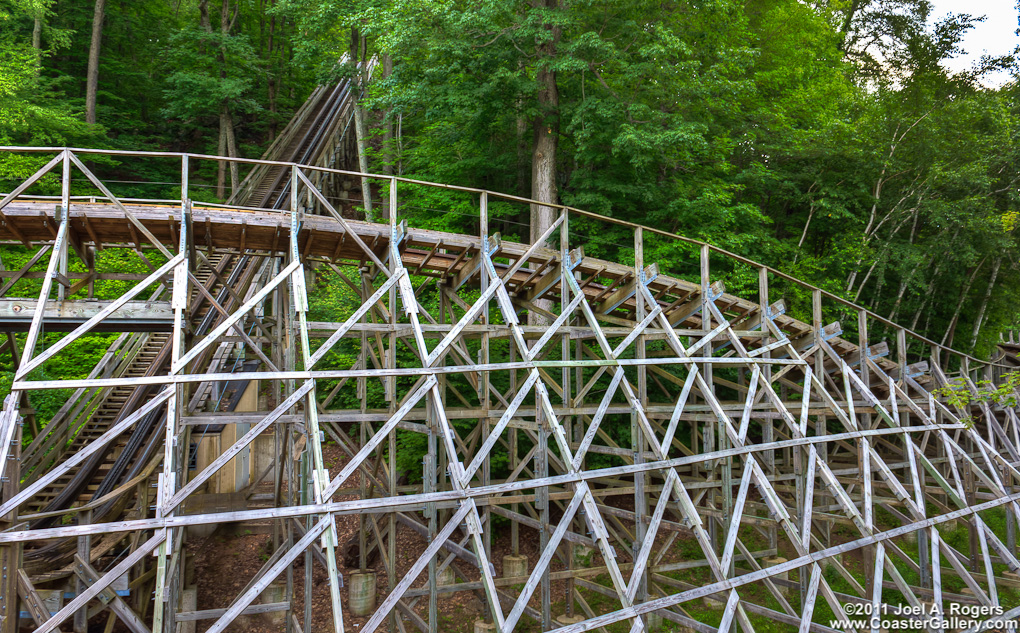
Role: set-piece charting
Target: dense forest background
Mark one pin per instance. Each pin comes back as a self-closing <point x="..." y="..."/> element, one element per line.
<point x="824" y="138"/>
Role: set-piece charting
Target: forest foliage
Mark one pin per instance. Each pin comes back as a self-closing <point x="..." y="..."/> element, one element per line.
<point x="825" y="138"/>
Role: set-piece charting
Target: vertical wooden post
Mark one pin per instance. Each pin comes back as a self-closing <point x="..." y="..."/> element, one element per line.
<point x="515" y="459"/>
<point x="483" y="381"/>
<point x="10" y="554"/>
<point x="863" y="462"/>
<point x="640" y="442"/>
<point x="81" y="620"/>
<point x="768" y="425"/>
<point x="566" y="399"/>
<point x="289" y="317"/>
<point x="173" y="468"/>
<point x="542" y="505"/>
<point x="65" y="209"/>
<point x="429" y="484"/>
<point x="306" y="497"/>
<point x="709" y="440"/>
<point x="391" y="540"/>
<point x="923" y="547"/>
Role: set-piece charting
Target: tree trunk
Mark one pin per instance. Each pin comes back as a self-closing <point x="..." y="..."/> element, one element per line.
<point x="803" y="234"/>
<point x="221" y="167"/>
<point x="360" y="132"/>
<point x="984" y="303"/>
<point x="228" y="144"/>
<point x="271" y="83"/>
<point x="203" y="16"/>
<point x="951" y="330"/>
<point x="523" y="150"/>
<point x="227" y="124"/>
<point x="92" y="74"/>
<point x="543" y="153"/>
<point x="37" y="31"/>
<point x="388" y="152"/>
<point x="546" y="134"/>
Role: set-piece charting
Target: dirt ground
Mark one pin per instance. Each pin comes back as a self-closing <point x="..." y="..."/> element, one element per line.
<point x="228" y="559"/>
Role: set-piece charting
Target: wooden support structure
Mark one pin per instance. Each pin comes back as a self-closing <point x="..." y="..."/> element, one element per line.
<point x="665" y="445"/>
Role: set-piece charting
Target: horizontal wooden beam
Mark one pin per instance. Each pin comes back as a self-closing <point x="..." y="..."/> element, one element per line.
<point x="65" y="316"/>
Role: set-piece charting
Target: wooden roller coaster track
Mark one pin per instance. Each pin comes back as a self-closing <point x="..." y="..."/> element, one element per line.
<point x="680" y="453"/>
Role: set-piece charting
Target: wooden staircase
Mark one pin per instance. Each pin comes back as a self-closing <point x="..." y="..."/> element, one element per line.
<point x="106" y="414"/>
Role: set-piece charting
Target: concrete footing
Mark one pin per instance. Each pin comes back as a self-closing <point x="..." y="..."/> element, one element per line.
<point x="362" y="593"/>
<point x="481" y="626"/>
<point x="654" y="621"/>
<point x="772" y="561"/>
<point x="515" y="566"/>
<point x="711" y="601"/>
<point x="831" y="561"/>
<point x="189" y="602"/>
<point x="276" y="592"/>
<point x="582" y="555"/>
<point x="446" y="577"/>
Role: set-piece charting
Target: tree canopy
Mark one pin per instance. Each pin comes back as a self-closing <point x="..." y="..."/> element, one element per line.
<point x="825" y="138"/>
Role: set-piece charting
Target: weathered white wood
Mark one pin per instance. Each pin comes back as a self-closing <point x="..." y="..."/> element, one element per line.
<point x="437" y="353"/>
<point x="412" y="574"/>
<point x="538" y="245"/>
<point x="641" y="560"/>
<point x="80" y="456"/>
<point x="678" y="410"/>
<point x="31" y="180"/>
<point x="593" y="426"/>
<point x="936" y="571"/>
<point x="116" y="202"/>
<point x="898" y="486"/>
<point x="993" y="595"/>
<point x="241" y="602"/>
<point x="354" y="318"/>
<point x="85" y="309"/>
<point x="745" y="416"/>
<point x="554" y="328"/>
<point x="544" y="559"/>
<point x="730" y="610"/>
<point x="59" y="244"/>
<point x="339" y="218"/>
<point x="118" y="570"/>
<point x="230" y="452"/>
<point x="209" y="614"/>
<point x="875" y="618"/>
<point x="234" y="318"/>
<point x="808" y="608"/>
<point x="24" y="269"/>
<point x="36" y="607"/>
<point x="356" y="462"/>
<point x="504" y="420"/>
<point x="734" y="527"/>
<point x="97" y="318"/>
<point x="809" y="494"/>
<point x="90" y="576"/>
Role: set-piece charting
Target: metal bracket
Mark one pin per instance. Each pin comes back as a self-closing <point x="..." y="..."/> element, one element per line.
<point x="648" y="274"/>
<point x="831" y="331"/>
<point x="878" y="350"/>
<point x="775" y="310"/>
<point x="572" y="258"/>
<point x="398" y="232"/>
<point x="716" y="290"/>
<point x="917" y="369"/>
<point x="492" y="244"/>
